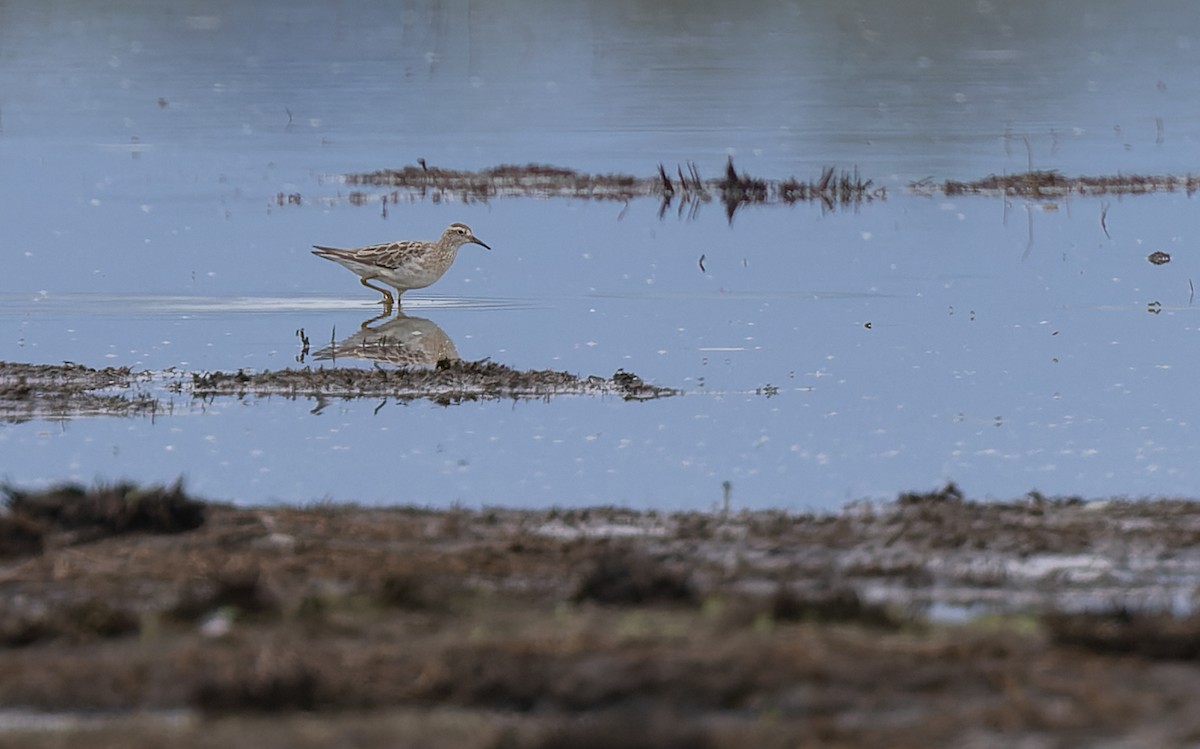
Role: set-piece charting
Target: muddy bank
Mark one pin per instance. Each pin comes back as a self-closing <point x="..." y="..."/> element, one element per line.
<point x="37" y="391"/>
<point x="448" y="382"/>
<point x="32" y="391"/>
<point x="599" y="627"/>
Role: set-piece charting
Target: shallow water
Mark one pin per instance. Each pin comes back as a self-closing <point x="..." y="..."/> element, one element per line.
<point x="826" y="355"/>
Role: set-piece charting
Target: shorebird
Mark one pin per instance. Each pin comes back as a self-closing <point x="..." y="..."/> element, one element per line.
<point x="404" y="265"/>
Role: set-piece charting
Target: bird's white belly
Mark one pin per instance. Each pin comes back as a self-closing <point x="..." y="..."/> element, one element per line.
<point x="410" y="277"/>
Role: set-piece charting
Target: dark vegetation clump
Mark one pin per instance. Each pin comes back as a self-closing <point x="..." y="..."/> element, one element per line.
<point x="789" y="604"/>
<point x="411" y="590"/>
<point x="619" y="574"/>
<point x="1049" y="183"/>
<point x="948" y="494"/>
<point x="686" y="188"/>
<point x="97" y="619"/>
<point x="739" y="189"/>
<point x="837" y="605"/>
<point x="21" y="536"/>
<point x="243" y="590"/>
<point x="272" y="683"/>
<point x="109" y="510"/>
<point x="18" y="631"/>
<point x="625" y="729"/>
<point x="81" y="621"/>
<point x="1160" y="636"/>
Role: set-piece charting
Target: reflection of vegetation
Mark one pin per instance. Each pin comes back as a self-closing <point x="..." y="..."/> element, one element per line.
<point x="685" y="189"/>
<point x="1051" y="184"/>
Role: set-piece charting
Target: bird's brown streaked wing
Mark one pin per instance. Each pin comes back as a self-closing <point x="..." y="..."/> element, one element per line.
<point x="383" y="255"/>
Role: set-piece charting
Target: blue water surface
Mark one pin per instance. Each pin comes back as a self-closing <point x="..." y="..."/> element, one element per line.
<point x="826" y="355"/>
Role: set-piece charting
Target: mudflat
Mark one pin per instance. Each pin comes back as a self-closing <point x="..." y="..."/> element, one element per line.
<point x="141" y="616"/>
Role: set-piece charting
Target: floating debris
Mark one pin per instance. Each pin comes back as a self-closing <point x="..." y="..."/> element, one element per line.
<point x="1159" y="258"/>
<point x="1051" y="184"/>
<point x="734" y="190"/>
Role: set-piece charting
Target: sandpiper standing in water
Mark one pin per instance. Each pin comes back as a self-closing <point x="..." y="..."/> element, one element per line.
<point x="404" y="265"/>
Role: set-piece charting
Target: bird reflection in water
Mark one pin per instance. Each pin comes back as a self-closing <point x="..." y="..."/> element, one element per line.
<point x="403" y="341"/>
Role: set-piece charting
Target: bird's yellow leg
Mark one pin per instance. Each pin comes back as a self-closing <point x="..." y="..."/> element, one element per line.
<point x="387" y="312"/>
<point x="388" y="299"/>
